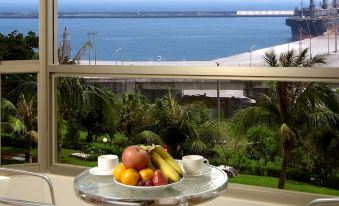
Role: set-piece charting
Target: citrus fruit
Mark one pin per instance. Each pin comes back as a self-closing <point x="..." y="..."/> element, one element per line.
<point x="130" y="177"/>
<point x="118" y="170"/>
<point x="146" y="174"/>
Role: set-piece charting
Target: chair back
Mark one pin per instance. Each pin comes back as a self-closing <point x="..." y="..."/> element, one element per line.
<point x="24" y="188"/>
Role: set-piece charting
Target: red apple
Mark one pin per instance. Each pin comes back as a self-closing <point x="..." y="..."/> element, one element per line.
<point x="135" y="157"/>
<point x="159" y="178"/>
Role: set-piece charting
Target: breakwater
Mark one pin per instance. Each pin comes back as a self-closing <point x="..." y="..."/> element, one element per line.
<point x="167" y="14"/>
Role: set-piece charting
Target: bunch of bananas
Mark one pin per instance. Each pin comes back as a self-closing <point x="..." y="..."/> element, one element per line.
<point x="161" y="159"/>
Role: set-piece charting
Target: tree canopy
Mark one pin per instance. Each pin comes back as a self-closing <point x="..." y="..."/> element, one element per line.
<point x="16" y="46"/>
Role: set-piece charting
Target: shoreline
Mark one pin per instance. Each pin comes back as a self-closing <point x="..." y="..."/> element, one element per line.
<point x="318" y="44"/>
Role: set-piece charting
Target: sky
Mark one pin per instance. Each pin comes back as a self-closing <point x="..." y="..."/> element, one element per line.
<point x="155" y="5"/>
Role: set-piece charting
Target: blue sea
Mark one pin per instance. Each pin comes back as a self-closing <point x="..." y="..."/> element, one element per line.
<point x="144" y="39"/>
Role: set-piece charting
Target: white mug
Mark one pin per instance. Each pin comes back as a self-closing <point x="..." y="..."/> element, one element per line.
<point x="107" y="162"/>
<point x="193" y="164"/>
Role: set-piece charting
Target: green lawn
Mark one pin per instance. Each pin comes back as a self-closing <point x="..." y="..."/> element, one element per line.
<point x="290" y="184"/>
<point x="66" y="158"/>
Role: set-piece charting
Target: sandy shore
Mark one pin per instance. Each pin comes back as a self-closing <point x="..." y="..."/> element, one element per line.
<point x="319" y="45"/>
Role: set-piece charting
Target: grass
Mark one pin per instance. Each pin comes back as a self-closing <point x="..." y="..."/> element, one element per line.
<point x="66" y="158"/>
<point x="290" y="184"/>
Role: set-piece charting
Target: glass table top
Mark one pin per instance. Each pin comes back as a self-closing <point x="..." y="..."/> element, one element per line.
<point x="103" y="190"/>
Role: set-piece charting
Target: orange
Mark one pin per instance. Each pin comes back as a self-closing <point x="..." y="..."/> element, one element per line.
<point x="146" y="173"/>
<point x="118" y="170"/>
<point x="130" y="177"/>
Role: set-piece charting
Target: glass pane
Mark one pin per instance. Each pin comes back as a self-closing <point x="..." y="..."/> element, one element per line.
<point x="19" y="30"/>
<point x="243" y="124"/>
<point x="19" y="130"/>
<point x="182" y="33"/>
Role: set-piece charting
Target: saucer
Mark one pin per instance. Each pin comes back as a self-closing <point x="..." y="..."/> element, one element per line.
<point x="100" y="172"/>
<point x="204" y="171"/>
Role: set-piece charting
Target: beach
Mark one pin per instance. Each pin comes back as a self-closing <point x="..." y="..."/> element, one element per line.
<point x="322" y="45"/>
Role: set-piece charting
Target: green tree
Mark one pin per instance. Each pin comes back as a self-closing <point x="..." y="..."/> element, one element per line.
<point x="186" y="128"/>
<point x="24" y="98"/>
<point x="16" y="46"/>
<point x="263" y="144"/>
<point x="75" y="97"/>
<point x="291" y="107"/>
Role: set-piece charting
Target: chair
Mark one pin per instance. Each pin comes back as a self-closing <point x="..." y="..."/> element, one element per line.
<point x="8" y="173"/>
<point x="323" y="200"/>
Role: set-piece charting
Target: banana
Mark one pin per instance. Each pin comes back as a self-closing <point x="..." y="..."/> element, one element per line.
<point x="149" y="162"/>
<point x="144" y="147"/>
<point x="168" y="158"/>
<point x="165" y="168"/>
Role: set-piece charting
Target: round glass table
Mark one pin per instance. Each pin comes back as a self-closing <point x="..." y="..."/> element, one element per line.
<point x="192" y="190"/>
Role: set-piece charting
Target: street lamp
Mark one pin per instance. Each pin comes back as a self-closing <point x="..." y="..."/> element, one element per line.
<point x="90" y="34"/>
<point x="252" y="47"/>
<point x="335" y="34"/>
<point x="118" y="52"/>
<point x="328" y="42"/>
<point x="104" y="140"/>
<point x="218" y="95"/>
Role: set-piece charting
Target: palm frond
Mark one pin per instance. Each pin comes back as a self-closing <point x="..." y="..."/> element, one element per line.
<point x="33" y="135"/>
<point x="317" y="59"/>
<point x="314" y="97"/>
<point x="301" y="58"/>
<point x="29" y="89"/>
<point x="322" y="116"/>
<point x="16" y="125"/>
<point x="7" y="109"/>
<point x="211" y="132"/>
<point x="148" y="138"/>
<point x="195" y="146"/>
<point x="285" y="132"/>
<point x="287" y="59"/>
<point x="271" y="58"/>
<point x="251" y="116"/>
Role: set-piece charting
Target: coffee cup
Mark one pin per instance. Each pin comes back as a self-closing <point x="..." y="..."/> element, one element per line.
<point x="193" y="164"/>
<point x="107" y="162"/>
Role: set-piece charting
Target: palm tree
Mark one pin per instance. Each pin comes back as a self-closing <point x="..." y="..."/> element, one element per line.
<point x="74" y="97"/>
<point x="24" y="97"/>
<point x="185" y="128"/>
<point x="64" y="50"/>
<point x="290" y="107"/>
<point x="20" y="120"/>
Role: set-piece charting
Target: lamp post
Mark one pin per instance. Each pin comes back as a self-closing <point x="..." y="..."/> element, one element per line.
<point x="328" y="42"/>
<point x="117" y="53"/>
<point x="90" y="34"/>
<point x="335" y="35"/>
<point x="89" y="49"/>
<point x="218" y="95"/>
<point x="104" y="140"/>
<point x="252" y="47"/>
<point x="300" y="39"/>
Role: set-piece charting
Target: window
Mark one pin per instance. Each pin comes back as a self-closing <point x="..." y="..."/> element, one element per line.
<point x="128" y="55"/>
<point x="173" y="33"/>
<point x="19" y="30"/>
<point x="19" y="132"/>
<point x="19" y="70"/>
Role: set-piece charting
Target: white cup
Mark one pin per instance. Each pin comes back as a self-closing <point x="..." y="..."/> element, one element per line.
<point x="193" y="164"/>
<point x="107" y="162"/>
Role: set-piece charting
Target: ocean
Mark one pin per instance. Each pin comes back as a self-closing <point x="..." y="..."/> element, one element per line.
<point x="172" y="39"/>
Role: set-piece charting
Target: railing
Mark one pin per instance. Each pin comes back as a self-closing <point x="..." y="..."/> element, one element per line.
<point x="323" y="200"/>
<point x="18" y="202"/>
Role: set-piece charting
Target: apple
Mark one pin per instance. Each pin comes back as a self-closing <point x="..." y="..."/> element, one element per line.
<point x="135" y="157"/>
<point x="159" y="178"/>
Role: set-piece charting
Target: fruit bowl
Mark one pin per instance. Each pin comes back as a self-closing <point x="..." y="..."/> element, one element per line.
<point x="149" y="187"/>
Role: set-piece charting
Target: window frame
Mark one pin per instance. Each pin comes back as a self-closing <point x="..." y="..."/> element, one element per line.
<point x="47" y="69"/>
